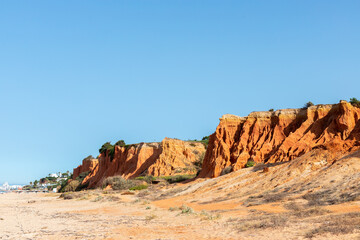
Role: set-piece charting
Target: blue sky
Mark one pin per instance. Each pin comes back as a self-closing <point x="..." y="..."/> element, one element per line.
<point x="75" y="74"/>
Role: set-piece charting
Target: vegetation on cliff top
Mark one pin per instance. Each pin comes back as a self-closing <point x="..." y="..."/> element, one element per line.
<point x="109" y="149"/>
<point x="308" y="104"/>
<point x="204" y="140"/>
<point x="355" y="102"/>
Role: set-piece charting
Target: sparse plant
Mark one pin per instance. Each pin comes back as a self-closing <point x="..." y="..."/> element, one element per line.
<point x="68" y="196"/>
<point x="250" y="163"/>
<point x="71" y="186"/>
<point x="308" y="104"/>
<point x="150" y="217"/>
<point x="337" y="225"/>
<point x="226" y="170"/>
<point x="98" y="198"/>
<point x="148" y="178"/>
<point x="205" y="141"/>
<point x="271" y="110"/>
<point x="263" y="222"/>
<point x="177" y="178"/>
<point x="208" y="216"/>
<point x="143" y="193"/>
<point x="145" y="202"/>
<point x="172" y="209"/>
<point x="302" y="211"/>
<point x="82" y="176"/>
<point x="87" y="158"/>
<point x="186" y="210"/>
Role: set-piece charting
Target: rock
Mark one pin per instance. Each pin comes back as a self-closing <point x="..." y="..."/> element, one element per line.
<point x="128" y="193"/>
<point x="280" y="136"/>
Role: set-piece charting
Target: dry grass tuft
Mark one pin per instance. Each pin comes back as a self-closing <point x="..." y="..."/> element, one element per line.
<point x="303" y="211"/>
<point x="172" y="209"/>
<point x="262" y="222"/>
<point x="150" y="217"/>
<point x="337" y="225"/>
<point x="204" y="215"/>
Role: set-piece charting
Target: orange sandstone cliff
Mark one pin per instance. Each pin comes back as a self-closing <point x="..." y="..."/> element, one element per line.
<point x="281" y="136"/>
<point x="170" y="157"/>
<point x="88" y="165"/>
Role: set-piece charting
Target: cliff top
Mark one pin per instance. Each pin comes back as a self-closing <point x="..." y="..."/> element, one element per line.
<point x="281" y="112"/>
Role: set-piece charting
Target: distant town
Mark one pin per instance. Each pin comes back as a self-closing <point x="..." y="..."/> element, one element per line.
<point x="52" y="182"/>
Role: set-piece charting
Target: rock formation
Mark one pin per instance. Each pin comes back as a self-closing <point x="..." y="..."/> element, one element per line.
<point x="281" y="136"/>
<point x="170" y="157"/>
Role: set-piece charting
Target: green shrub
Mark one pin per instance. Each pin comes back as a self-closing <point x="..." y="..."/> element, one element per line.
<point x="109" y="149"/>
<point x="105" y="147"/>
<point x="250" y="163"/>
<point x="82" y="176"/>
<point x="205" y="138"/>
<point x="119" y="183"/>
<point x="308" y="104"/>
<point x="87" y="158"/>
<point x="120" y="143"/>
<point x="205" y="141"/>
<point x="177" y="178"/>
<point x="127" y="146"/>
<point x="67" y="196"/>
<point x="71" y="186"/>
<point x="148" y="178"/>
<point x="171" y="209"/>
<point x="271" y="110"/>
<point x="355" y="102"/>
<point x="186" y="210"/>
<point x="139" y="187"/>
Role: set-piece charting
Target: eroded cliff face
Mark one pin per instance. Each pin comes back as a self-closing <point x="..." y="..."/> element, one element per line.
<point x="88" y="165"/>
<point x="281" y="136"/>
<point x="170" y="157"/>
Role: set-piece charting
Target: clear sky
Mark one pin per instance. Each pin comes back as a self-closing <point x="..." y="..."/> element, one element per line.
<point x="75" y="74"/>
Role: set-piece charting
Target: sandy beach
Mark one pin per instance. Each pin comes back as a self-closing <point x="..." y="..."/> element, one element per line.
<point x="98" y="214"/>
<point x="45" y="216"/>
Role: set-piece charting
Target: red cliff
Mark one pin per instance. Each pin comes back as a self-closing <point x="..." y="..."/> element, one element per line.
<point x="281" y="136"/>
<point x="88" y="165"/>
<point x="170" y="157"/>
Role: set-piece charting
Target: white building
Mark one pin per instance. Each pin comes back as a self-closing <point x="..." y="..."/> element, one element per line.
<point x="7" y="187"/>
<point x="53" y="175"/>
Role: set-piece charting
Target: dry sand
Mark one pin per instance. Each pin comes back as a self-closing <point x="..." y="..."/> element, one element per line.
<point x="294" y="200"/>
<point x="115" y="216"/>
<point x="45" y="216"/>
